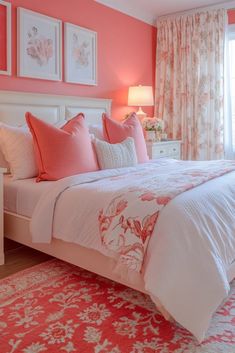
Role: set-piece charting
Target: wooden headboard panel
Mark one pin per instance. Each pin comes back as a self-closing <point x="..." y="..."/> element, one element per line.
<point x="51" y="108"/>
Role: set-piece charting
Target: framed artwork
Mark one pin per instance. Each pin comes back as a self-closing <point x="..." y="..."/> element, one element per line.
<point x="5" y="38"/>
<point x="39" y="46"/>
<point x="80" y="55"/>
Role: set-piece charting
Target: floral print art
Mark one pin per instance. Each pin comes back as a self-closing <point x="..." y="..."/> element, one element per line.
<point x="39" y="48"/>
<point x="80" y="52"/>
<point x="57" y="307"/>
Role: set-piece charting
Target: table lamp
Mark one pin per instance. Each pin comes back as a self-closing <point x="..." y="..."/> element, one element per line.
<point x="140" y="96"/>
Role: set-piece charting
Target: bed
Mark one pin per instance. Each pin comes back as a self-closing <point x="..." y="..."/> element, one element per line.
<point x="21" y="201"/>
<point x="56" y="109"/>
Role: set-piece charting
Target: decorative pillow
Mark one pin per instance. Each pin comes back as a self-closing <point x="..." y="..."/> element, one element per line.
<point x="61" y="152"/>
<point x="17" y="146"/>
<point x="114" y="132"/>
<point x="116" y="155"/>
<point x="96" y="131"/>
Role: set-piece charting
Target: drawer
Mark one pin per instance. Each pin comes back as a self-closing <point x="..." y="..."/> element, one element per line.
<point x="163" y="149"/>
<point x="175" y="156"/>
<point x="160" y="151"/>
<point x="174" y="149"/>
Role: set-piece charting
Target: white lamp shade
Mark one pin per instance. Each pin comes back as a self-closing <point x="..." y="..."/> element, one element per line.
<point x="140" y="96"/>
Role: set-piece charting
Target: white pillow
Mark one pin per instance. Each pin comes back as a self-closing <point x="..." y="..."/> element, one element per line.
<point x="116" y="155"/>
<point x="16" y="144"/>
<point x="96" y="131"/>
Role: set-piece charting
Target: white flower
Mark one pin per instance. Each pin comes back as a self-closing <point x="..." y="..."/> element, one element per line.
<point x="153" y="124"/>
<point x="95" y="314"/>
<point x="92" y="335"/>
<point x="69" y="348"/>
<point x="130" y="298"/>
<point x="126" y="327"/>
<point x="55" y="316"/>
<point x="146" y="346"/>
<point x="35" y="348"/>
<point x="6" y="290"/>
<point x="58" y="332"/>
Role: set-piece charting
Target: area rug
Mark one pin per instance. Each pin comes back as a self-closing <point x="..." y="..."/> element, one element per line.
<point x="57" y="307"/>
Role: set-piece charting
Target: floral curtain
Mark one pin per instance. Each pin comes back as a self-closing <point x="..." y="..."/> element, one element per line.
<point x="190" y="81"/>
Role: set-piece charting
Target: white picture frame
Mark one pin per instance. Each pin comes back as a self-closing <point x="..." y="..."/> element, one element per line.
<point x="31" y="28"/>
<point x="80" y="45"/>
<point x="7" y="70"/>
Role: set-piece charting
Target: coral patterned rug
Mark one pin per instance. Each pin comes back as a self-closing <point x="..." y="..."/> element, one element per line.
<point x="57" y="307"/>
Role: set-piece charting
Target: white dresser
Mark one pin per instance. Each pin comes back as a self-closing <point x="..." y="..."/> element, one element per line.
<point x="164" y="149"/>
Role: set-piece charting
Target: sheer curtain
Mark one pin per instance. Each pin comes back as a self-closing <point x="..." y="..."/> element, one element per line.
<point x="190" y="81"/>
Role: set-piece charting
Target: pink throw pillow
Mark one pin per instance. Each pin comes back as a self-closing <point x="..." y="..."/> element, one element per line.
<point x="115" y="132"/>
<point x="62" y="152"/>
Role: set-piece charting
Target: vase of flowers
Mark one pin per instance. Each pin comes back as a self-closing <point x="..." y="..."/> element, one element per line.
<point x="153" y="128"/>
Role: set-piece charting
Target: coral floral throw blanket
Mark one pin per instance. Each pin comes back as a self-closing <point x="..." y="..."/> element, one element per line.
<point x="127" y="222"/>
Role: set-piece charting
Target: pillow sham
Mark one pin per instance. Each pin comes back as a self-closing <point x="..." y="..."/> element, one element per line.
<point x="116" y="155"/>
<point x="62" y="152"/>
<point x="17" y="146"/>
<point x="115" y="132"/>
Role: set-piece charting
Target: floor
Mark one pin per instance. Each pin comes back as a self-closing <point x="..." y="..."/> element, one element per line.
<point x="19" y="257"/>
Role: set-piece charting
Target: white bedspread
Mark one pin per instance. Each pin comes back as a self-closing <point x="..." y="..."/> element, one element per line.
<point x="21" y="196"/>
<point x="188" y="255"/>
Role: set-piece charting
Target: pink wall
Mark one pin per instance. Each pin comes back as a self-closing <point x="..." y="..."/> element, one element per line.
<point x="126" y="52"/>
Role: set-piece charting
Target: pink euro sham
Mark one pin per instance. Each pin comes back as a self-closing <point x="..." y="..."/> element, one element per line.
<point x="115" y="132"/>
<point x="62" y="152"/>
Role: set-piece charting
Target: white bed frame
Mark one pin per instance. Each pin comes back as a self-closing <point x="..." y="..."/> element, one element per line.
<point x="56" y="109"/>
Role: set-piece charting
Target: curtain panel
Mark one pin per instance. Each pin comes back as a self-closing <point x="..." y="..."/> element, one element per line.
<point x="190" y="81"/>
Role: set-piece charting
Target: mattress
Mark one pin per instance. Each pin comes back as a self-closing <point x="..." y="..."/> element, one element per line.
<point x="21" y="196"/>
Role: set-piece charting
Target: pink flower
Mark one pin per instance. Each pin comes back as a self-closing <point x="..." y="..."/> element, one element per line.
<point x="121" y="206"/>
<point x="39" y="47"/>
<point x="163" y="200"/>
<point x="148" y="227"/>
<point x="148" y="196"/>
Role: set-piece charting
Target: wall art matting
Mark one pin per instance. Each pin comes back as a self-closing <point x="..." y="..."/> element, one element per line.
<point x="80" y="55"/>
<point x="5" y="38"/>
<point x="39" y="45"/>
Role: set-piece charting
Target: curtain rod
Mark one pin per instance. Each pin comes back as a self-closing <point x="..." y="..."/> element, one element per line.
<point x="228" y="5"/>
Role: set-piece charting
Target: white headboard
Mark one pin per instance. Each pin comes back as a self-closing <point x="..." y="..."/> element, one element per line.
<point x="51" y="108"/>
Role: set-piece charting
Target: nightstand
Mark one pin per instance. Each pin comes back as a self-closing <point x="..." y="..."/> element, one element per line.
<point x="164" y="149"/>
<point x="2" y="171"/>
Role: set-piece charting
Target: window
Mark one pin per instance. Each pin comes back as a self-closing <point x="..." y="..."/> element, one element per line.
<point x="232" y="77"/>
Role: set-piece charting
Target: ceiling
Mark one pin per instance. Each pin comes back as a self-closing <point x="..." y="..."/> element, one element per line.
<point x="149" y="10"/>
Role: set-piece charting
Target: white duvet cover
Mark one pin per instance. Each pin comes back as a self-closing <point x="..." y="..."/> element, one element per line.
<point x="189" y="253"/>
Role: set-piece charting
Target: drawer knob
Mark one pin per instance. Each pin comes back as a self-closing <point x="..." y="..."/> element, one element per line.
<point x="174" y="149"/>
<point x="161" y="151"/>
